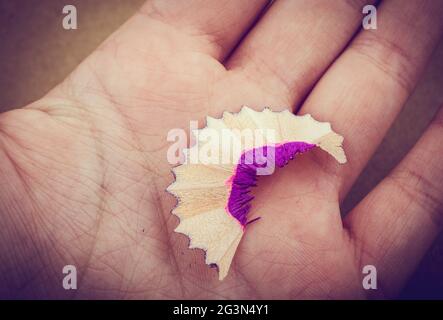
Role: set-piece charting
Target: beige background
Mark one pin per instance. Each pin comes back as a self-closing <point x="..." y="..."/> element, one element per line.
<point x="36" y="53"/>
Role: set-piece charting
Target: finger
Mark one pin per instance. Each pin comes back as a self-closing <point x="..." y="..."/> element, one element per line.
<point x="217" y="25"/>
<point x="294" y="42"/>
<point x="396" y="223"/>
<point x="366" y="87"/>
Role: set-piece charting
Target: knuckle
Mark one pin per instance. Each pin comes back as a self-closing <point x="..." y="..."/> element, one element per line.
<point x="388" y="57"/>
<point x="422" y="191"/>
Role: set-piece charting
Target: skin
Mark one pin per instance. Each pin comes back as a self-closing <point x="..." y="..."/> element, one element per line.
<point x="84" y="168"/>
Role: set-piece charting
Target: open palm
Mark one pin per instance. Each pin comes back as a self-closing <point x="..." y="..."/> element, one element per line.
<point x="84" y="169"/>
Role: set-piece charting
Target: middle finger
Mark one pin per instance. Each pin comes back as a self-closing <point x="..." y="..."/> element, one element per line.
<point x="293" y="44"/>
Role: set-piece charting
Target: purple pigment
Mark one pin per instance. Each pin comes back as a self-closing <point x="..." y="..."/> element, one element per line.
<point x="245" y="175"/>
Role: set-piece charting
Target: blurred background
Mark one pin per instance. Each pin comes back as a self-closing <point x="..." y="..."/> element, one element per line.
<point x="36" y="53"/>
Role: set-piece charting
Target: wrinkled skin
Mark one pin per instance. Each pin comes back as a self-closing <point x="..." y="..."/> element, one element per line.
<point x="84" y="171"/>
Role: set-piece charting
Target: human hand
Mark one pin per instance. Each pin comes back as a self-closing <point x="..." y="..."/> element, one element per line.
<point x="84" y="169"/>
